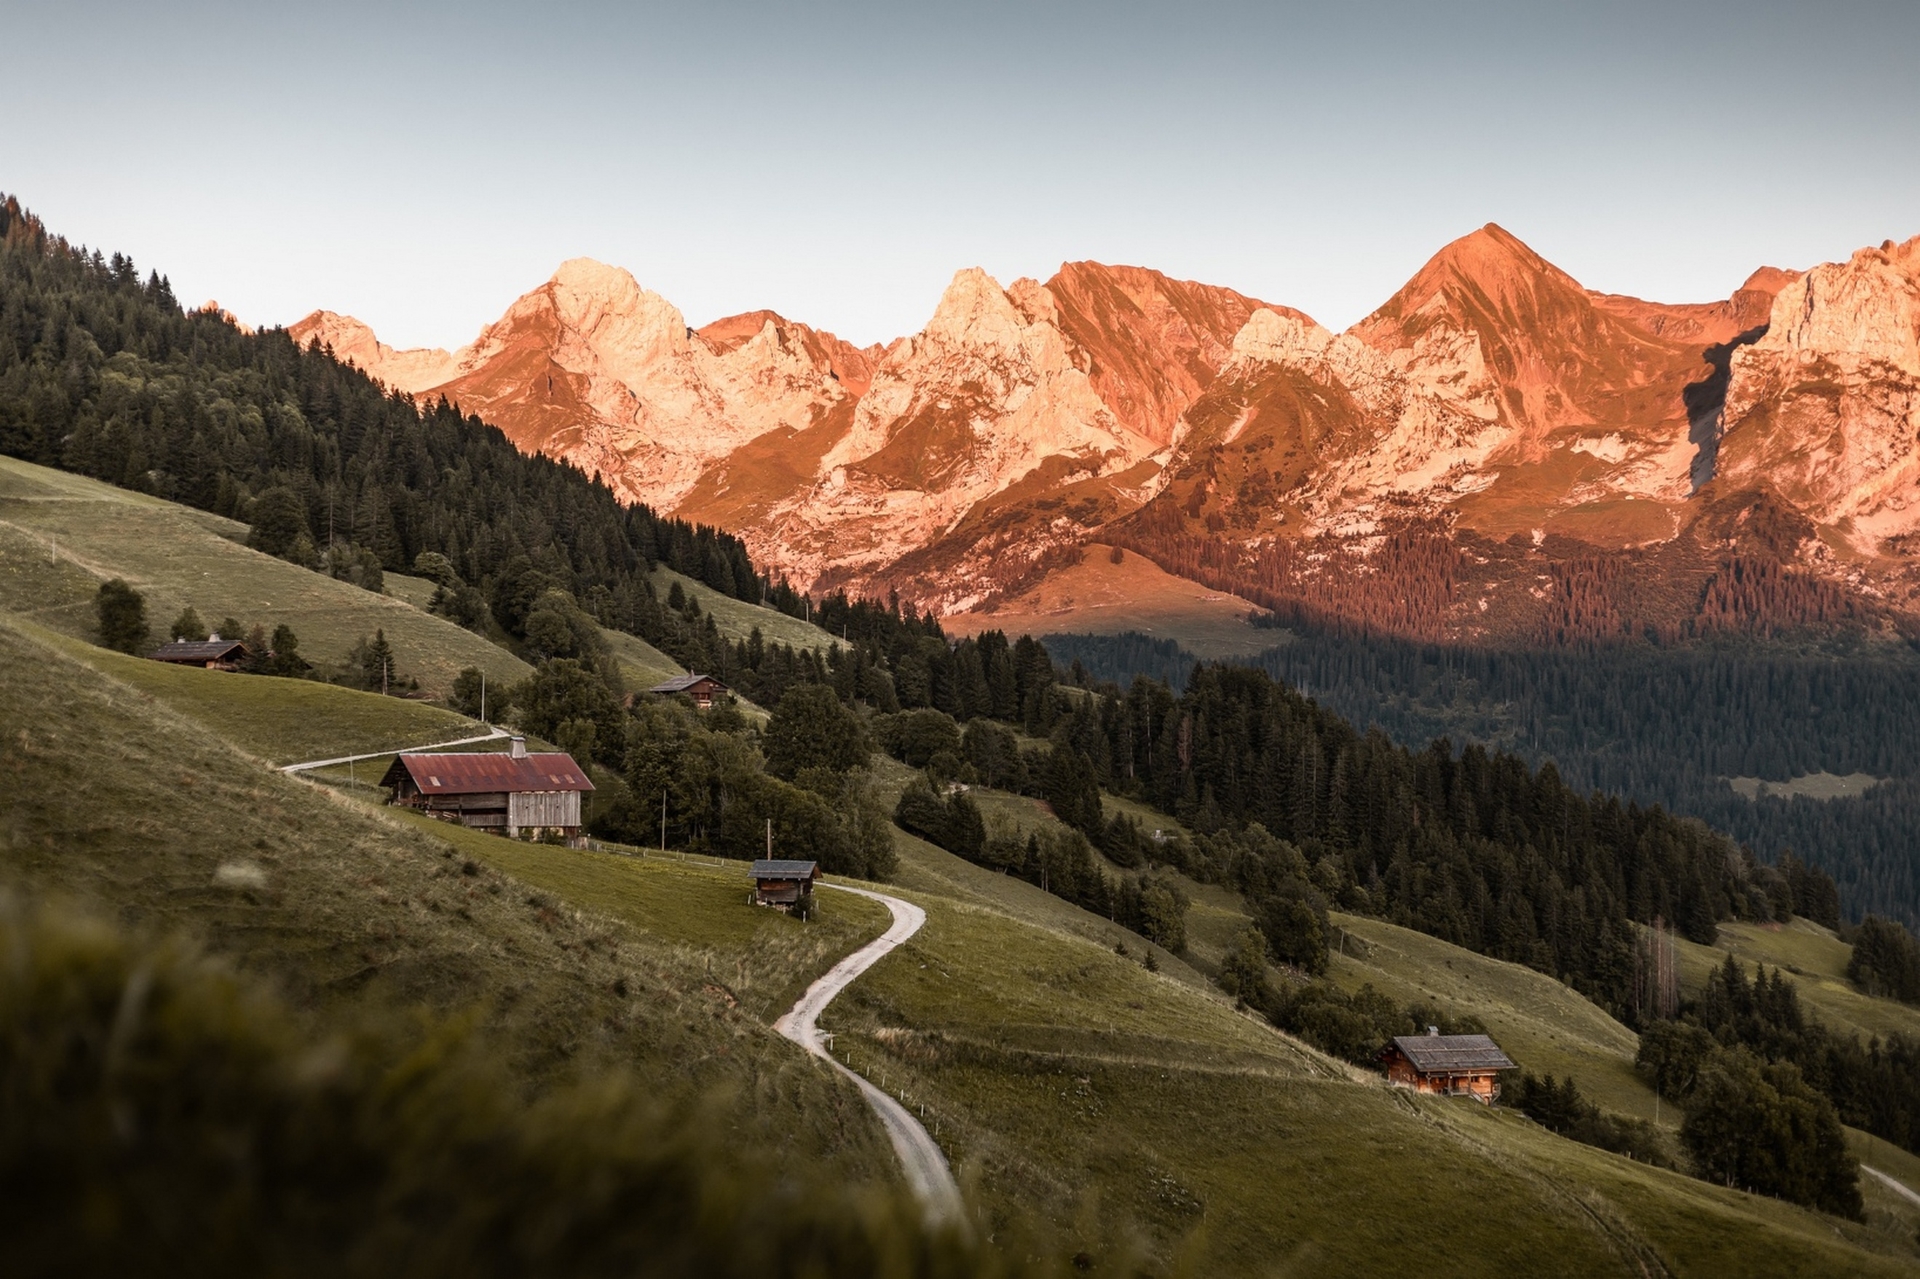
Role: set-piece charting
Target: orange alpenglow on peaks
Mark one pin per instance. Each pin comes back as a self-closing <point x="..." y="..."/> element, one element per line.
<point x="1423" y="470"/>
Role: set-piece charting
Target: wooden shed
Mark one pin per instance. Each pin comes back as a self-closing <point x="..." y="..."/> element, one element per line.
<point x="703" y="689"/>
<point x="507" y="792"/>
<point x="781" y="884"/>
<point x="214" y="654"/>
<point x="1450" y="1065"/>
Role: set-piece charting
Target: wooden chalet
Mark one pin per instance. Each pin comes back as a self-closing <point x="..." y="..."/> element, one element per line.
<point x="1450" y="1065"/>
<point x="506" y="792"/>
<point x="214" y="654"/>
<point x="781" y="884"/>
<point x="703" y="689"/>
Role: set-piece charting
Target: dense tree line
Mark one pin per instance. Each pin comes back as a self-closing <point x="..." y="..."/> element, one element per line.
<point x="1559" y="1107"/>
<point x="1661" y="725"/>
<point x="1471" y="846"/>
<point x="1873" y="1086"/>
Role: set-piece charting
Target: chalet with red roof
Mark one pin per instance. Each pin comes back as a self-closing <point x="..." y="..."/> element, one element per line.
<point x="506" y="792"/>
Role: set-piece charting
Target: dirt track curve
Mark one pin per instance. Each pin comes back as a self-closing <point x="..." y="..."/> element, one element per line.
<point x="920" y="1156"/>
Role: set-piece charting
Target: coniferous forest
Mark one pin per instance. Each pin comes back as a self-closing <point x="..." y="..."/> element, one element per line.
<point x="1658" y="725"/>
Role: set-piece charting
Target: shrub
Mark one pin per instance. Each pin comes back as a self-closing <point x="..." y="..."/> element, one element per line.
<point x="122" y="613"/>
<point x="188" y="626"/>
<point x="1885" y="960"/>
<point x="1762" y="1128"/>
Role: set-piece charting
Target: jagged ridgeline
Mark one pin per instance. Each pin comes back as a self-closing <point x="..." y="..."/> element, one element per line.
<point x="104" y="373"/>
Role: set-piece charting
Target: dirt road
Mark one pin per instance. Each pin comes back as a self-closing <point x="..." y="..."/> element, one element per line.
<point x="920" y="1157"/>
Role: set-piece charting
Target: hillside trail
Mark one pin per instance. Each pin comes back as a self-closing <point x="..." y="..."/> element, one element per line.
<point x="1898" y="1187"/>
<point x="302" y="767"/>
<point x="925" y="1165"/>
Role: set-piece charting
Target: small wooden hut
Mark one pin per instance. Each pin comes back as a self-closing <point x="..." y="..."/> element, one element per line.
<point x="506" y="792"/>
<point x="214" y="654"/>
<point x="1450" y="1065"/>
<point x="781" y="884"/>
<point x="703" y="689"/>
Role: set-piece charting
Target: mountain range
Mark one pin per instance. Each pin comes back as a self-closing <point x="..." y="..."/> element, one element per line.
<point x="1496" y="453"/>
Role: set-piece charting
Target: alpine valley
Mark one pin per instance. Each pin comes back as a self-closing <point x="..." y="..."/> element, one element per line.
<point x="1497" y="454"/>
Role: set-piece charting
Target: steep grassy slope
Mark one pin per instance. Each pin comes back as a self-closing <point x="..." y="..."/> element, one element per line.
<point x="1815" y="960"/>
<point x="61" y="535"/>
<point x="282" y="721"/>
<point x="758" y="959"/>
<point x="1119" y="1103"/>
<point x="135" y="811"/>
<point x="736" y="619"/>
<point x="641" y="664"/>
<point x="1066" y="1079"/>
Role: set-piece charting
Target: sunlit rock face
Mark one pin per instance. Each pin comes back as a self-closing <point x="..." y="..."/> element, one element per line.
<point x="1825" y="407"/>
<point x="1493" y="402"/>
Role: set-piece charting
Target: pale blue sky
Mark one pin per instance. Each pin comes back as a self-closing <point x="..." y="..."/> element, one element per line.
<point x="420" y="165"/>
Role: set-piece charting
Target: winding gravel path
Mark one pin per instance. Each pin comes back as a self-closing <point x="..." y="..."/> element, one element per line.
<point x="920" y="1156"/>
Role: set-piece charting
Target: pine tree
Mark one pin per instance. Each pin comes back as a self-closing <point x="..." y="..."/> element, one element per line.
<point x="122" y="613"/>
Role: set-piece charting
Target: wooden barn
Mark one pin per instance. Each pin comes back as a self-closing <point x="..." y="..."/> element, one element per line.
<point x="214" y="654"/>
<point x="703" y="689"/>
<point x="506" y="792"/>
<point x="1451" y="1065"/>
<point x="781" y="884"/>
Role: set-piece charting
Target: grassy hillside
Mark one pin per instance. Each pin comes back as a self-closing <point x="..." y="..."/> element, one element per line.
<point x="1815" y="960"/>
<point x="737" y="619"/>
<point x="282" y="721"/>
<point x="1068" y="1080"/>
<point x="61" y="535"/>
<point x="130" y="809"/>
<point x="641" y="664"/>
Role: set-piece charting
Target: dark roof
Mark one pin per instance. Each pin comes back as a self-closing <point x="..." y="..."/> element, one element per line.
<point x="778" y="869"/>
<point x="681" y="683"/>
<point x="199" y="651"/>
<point x="483" y="772"/>
<point x="1437" y="1053"/>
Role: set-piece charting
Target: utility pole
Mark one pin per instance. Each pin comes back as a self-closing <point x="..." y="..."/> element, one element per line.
<point x="483" y="697"/>
<point x="663" y="822"/>
<point x="769" y="839"/>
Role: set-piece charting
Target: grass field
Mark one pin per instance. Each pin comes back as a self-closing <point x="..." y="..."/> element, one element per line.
<point x="282" y="721"/>
<point x="760" y="958"/>
<point x="1125" y="1105"/>
<point x="1815" y="960"/>
<point x="1098" y="597"/>
<point x="124" y="807"/>
<point x="737" y="619"/>
<point x="62" y="535"/>
<point x="1070" y="1083"/>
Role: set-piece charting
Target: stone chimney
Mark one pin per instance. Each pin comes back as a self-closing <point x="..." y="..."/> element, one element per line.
<point x="517" y="747"/>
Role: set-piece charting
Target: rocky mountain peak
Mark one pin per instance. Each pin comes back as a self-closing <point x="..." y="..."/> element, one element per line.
<point x="413" y="371"/>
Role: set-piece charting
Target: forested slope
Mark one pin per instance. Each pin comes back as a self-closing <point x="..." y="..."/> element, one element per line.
<point x="1660" y="725"/>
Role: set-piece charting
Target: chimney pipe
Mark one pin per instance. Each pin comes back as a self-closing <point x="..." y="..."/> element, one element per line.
<point x="517" y="747"/>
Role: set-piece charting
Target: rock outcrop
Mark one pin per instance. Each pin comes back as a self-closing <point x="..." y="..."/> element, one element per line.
<point x="1824" y="409"/>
